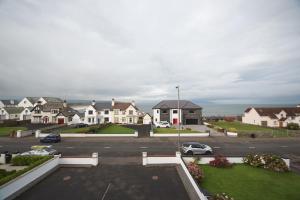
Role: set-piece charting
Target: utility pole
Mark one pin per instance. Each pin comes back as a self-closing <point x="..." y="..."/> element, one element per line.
<point x="179" y="118"/>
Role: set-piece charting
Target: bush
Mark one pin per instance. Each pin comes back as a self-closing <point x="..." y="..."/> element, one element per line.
<point x="229" y="119"/>
<point x="188" y="129"/>
<point x="292" y="126"/>
<point x="222" y="196"/>
<point x="25" y="160"/>
<point x="93" y="129"/>
<point x="232" y="130"/>
<point x="220" y="162"/>
<point x="271" y="162"/>
<point x="195" y="171"/>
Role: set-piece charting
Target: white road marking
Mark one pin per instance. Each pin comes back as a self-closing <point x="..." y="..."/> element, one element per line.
<point x="216" y="147"/>
<point x="105" y="192"/>
<point x="252" y="147"/>
<point x="144" y="147"/>
<point x="69" y="147"/>
<point x="107" y="147"/>
<point x="283" y="146"/>
<point x="1" y="146"/>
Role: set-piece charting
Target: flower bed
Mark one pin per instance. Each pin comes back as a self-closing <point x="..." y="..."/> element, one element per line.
<point x="271" y="162"/>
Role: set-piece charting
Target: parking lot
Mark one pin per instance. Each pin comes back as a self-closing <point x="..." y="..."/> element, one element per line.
<point x="113" y="182"/>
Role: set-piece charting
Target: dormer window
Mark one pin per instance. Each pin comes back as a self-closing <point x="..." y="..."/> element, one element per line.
<point x="90" y="112"/>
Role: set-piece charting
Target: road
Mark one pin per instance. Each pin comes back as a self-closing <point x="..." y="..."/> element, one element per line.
<point x="119" y="147"/>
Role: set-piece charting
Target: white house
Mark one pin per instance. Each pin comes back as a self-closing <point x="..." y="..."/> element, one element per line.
<point x="26" y="113"/>
<point x="13" y="113"/>
<point x="98" y="113"/>
<point x="147" y="119"/>
<point x="271" y="117"/>
<point x="46" y="113"/>
<point x="28" y="102"/>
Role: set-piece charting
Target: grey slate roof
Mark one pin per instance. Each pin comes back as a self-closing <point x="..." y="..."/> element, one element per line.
<point x="52" y="99"/>
<point x="10" y="102"/>
<point x="14" y="110"/>
<point x="101" y="105"/>
<point x="32" y="100"/>
<point x="172" y="104"/>
<point x="68" y="112"/>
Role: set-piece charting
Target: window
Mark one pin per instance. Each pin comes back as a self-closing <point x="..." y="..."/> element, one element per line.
<point x="116" y="120"/>
<point x="164" y="111"/>
<point x="130" y="120"/>
<point x="116" y="112"/>
<point x="106" y="119"/>
<point x="54" y="111"/>
<point x="25" y="102"/>
<point x="89" y="120"/>
<point x="123" y="119"/>
<point x="106" y="112"/>
<point x="16" y="115"/>
<point x="130" y="112"/>
<point x="124" y="112"/>
<point x="175" y="111"/>
<point x="191" y="111"/>
<point x="156" y="119"/>
<point x="93" y="119"/>
<point x="26" y="111"/>
<point x="275" y="122"/>
<point x="90" y="112"/>
<point x="157" y="111"/>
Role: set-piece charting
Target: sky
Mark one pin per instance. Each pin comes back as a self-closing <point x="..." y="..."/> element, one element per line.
<point x="216" y="51"/>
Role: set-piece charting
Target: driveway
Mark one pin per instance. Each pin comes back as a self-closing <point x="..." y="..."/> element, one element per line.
<point x="113" y="182"/>
<point x="203" y="128"/>
<point x="143" y="129"/>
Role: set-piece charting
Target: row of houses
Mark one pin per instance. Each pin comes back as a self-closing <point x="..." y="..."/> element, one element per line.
<point x="271" y="116"/>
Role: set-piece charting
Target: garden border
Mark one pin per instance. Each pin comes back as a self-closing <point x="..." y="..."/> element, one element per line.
<point x="38" y="134"/>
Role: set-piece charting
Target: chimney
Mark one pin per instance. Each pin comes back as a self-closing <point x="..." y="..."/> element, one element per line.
<point x="12" y="102"/>
<point x="112" y="102"/>
<point x="93" y="102"/>
<point x="65" y="104"/>
<point x="298" y="106"/>
<point x="133" y="102"/>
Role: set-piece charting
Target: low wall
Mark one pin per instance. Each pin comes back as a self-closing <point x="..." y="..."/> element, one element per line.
<point x="232" y="134"/>
<point x="188" y="181"/>
<point x="176" y="134"/>
<point x="18" y="185"/>
<point x="82" y="135"/>
<point x="24" y="133"/>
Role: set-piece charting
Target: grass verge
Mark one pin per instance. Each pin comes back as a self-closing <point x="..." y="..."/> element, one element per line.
<point x="173" y="130"/>
<point x="5" y="131"/>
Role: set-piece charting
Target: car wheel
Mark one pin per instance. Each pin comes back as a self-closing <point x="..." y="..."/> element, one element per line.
<point x="190" y="153"/>
<point x="158" y="127"/>
<point x="208" y="152"/>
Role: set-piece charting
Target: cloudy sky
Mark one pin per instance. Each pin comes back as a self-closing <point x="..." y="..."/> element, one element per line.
<point x="217" y="51"/>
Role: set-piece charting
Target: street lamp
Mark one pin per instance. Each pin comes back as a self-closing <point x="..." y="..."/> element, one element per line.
<point x="179" y="119"/>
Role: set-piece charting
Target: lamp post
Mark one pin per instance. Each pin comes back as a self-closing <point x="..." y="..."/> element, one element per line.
<point x="178" y="142"/>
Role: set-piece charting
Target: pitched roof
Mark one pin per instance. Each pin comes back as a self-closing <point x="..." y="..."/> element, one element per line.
<point x="169" y="104"/>
<point x="52" y="105"/>
<point x="14" y="110"/>
<point x="68" y="112"/>
<point x="32" y="100"/>
<point x="52" y="99"/>
<point x="101" y="105"/>
<point x="10" y="102"/>
<point x="248" y="109"/>
<point x="271" y="112"/>
<point x="123" y="105"/>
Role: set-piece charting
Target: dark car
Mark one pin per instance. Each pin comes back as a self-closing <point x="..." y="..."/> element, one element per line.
<point x="81" y="125"/>
<point x="51" y="138"/>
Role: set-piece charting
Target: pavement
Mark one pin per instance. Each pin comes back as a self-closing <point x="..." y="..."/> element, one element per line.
<point x="113" y="182"/>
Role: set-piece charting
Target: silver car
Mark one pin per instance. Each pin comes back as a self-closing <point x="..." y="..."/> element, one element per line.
<point x="191" y="148"/>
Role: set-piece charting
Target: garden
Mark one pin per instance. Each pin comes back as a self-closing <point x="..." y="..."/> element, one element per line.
<point x="29" y="162"/>
<point x="251" y="130"/>
<point x="173" y="130"/>
<point x="5" y="131"/>
<point x="259" y="177"/>
<point x="100" y="129"/>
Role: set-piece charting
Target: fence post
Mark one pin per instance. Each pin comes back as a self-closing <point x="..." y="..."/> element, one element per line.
<point x="37" y="133"/>
<point x="19" y="133"/>
<point x="144" y="158"/>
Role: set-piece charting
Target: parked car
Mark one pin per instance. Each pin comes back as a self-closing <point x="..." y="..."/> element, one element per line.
<point x="40" y="151"/>
<point x="162" y="124"/>
<point x="81" y="125"/>
<point x="191" y="148"/>
<point x="51" y="138"/>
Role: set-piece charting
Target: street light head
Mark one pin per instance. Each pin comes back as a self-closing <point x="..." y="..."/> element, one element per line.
<point x="177" y="87"/>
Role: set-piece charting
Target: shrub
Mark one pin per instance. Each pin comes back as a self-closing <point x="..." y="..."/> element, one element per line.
<point x="271" y="162"/>
<point x="222" y="196"/>
<point x="232" y="130"/>
<point x="195" y="171"/>
<point x="229" y="119"/>
<point x="292" y="126"/>
<point x="220" y="130"/>
<point x="25" y="160"/>
<point x="92" y="129"/>
<point x="188" y="129"/>
<point x="220" y="161"/>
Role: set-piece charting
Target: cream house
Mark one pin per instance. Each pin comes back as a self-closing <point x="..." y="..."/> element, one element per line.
<point x="271" y="117"/>
<point x="28" y="102"/>
<point x="124" y="112"/>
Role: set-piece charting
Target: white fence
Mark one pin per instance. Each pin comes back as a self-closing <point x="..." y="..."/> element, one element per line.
<point x="174" y="160"/>
<point x="81" y="135"/>
<point x="16" y="186"/>
<point x="176" y="134"/>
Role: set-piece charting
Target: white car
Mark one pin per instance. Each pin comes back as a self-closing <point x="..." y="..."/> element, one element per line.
<point x="162" y="124"/>
<point x="40" y="151"/>
<point x="191" y="148"/>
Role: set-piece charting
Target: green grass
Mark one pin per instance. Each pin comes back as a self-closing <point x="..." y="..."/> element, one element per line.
<point x="248" y="128"/>
<point x="172" y="130"/>
<point x="116" y="129"/>
<point x="4" y="131"/>
<point x="111" y="129"/>
<point x="244" y="182"/>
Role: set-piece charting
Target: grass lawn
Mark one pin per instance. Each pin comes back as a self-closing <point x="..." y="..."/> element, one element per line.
<point x="244" y="182"/>
<point x="116" y="129"/>
<point x="75" y="130"/>
<point x="248" y="128"/>
<point x="172" y="130"/>
<point x="4" y="131"/>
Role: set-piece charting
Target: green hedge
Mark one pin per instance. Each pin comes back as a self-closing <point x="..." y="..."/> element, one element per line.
<point x="18" y="173"/>
<point x="25" y="160"/>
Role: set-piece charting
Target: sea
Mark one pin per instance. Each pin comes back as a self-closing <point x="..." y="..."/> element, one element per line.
<point x="220" y="109"/>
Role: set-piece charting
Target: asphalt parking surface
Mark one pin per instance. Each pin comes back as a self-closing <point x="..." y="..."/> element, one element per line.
<point x="113" y="182"/>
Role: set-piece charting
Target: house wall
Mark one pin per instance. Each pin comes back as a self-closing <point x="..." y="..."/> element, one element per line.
<point x="147" y="119"/>
<point x="196" y="115"/>
<point x="25" y="103"/>
<point x="1" y="104"/>
<point x="92" y="117"/>
<point x="101" y="116"/>
<point x="76" y="120"/>
<point x="295" y="119"/>
<point x="3" y="114"/>
<point x="252" y="117"/>
<point x="15" y="116"/>
<point x="156" y="115"/>
<point x="25" y="114"/>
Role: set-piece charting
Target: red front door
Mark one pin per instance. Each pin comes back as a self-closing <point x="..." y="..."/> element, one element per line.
<point x="61" y="120"/>
<point x="175" y="121"/>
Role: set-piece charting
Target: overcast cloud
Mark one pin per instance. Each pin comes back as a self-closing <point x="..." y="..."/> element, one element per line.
<point x="220" y="51"/>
